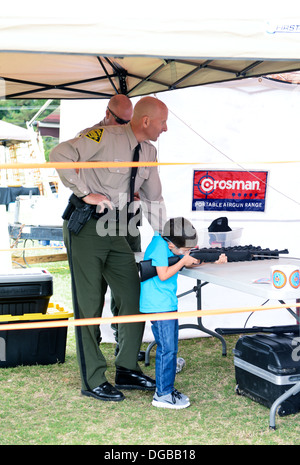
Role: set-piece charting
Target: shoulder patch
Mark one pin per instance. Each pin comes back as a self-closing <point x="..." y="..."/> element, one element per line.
<point x="95" y="134"/>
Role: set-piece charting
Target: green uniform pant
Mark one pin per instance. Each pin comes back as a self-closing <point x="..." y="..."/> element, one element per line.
<point x="135" y="245"/>
<point x="92" y="256"/>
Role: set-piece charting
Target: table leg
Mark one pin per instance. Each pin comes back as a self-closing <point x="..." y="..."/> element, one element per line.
<point x="295" y="315"/>
<point x="200" y="326"/>
<point x="291" y="392"/>
<point x="147" y="353"/>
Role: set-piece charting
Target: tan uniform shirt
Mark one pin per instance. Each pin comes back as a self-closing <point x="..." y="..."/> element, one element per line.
<point x="112" y="143"/>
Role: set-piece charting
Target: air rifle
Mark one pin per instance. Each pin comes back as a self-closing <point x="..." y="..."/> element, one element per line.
<point x="210" y="255"/>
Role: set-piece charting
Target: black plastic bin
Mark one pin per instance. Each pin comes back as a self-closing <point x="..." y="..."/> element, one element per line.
<point x="34" y="346"/>
<point x="25" y="291"/>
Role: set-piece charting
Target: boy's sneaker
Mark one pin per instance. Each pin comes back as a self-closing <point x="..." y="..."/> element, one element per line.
<point x="182" y="395"/>
<point x="175" y="400"/>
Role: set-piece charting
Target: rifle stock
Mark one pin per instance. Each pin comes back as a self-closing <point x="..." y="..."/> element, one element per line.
<point x="211" y="255"/>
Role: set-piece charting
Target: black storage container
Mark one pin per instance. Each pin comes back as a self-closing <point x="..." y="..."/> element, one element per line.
<point x="43" y="346"/>
<point x="34" y="346"/>
<point x="266" y="366"/>
<point x="25" y="291"/>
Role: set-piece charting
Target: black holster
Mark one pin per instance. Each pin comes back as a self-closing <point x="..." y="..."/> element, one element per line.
<point x="77" y="213"/>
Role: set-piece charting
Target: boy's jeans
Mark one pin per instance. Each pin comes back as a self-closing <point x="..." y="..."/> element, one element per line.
<point x="166" y="336"/>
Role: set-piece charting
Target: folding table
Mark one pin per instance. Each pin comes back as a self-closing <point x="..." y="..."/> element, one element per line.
<point x="240" y="276"/>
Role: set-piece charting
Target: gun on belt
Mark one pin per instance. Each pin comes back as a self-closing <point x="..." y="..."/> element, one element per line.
<point x="77" y="213"/>
<point x="210" y="255"/>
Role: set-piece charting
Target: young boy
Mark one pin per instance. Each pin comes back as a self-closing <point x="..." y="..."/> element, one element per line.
<point x="158" y="294"/>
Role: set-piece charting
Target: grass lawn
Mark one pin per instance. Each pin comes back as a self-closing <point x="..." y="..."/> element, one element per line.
<point x="42" y="405"/>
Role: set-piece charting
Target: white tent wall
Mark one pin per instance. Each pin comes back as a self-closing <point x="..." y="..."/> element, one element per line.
<point x="253" y="125"/>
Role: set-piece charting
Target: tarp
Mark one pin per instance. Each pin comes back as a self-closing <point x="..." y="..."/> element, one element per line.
<point x="95" y="51"/>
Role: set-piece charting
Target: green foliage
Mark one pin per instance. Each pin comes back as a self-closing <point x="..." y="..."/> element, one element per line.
<point x="49" y="144"/>
<point x="18" y="112"/>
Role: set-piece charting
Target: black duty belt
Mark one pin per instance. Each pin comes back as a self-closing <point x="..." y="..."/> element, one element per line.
<point x="78" y="213"/>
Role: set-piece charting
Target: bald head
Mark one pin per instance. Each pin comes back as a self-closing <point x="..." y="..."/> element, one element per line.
<point x="148" y="106"/>
<point x="149" y="119"/>
<point x="119" y="110"/>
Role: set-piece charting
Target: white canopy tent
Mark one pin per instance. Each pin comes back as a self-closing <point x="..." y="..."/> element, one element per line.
<point x="11" y="134"/>
<point x="95" y="51"/>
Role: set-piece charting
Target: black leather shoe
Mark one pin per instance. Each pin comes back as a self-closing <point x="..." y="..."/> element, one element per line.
<point x="130" y="379"/>
<point x="105" y="392"/>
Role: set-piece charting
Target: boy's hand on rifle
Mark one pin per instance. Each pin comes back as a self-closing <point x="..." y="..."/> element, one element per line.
<point x="187" y="260"/>
<point x="222" y="259"/>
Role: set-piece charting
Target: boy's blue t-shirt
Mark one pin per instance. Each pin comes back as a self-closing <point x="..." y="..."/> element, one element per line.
<point x="156" y="295"/>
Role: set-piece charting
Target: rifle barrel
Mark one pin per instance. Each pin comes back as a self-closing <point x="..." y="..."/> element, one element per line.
<point x="275" y="256"/>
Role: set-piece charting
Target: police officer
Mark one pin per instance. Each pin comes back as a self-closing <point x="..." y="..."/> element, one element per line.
<point x="100" y="248"/>
<point x="119" y="111"/>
